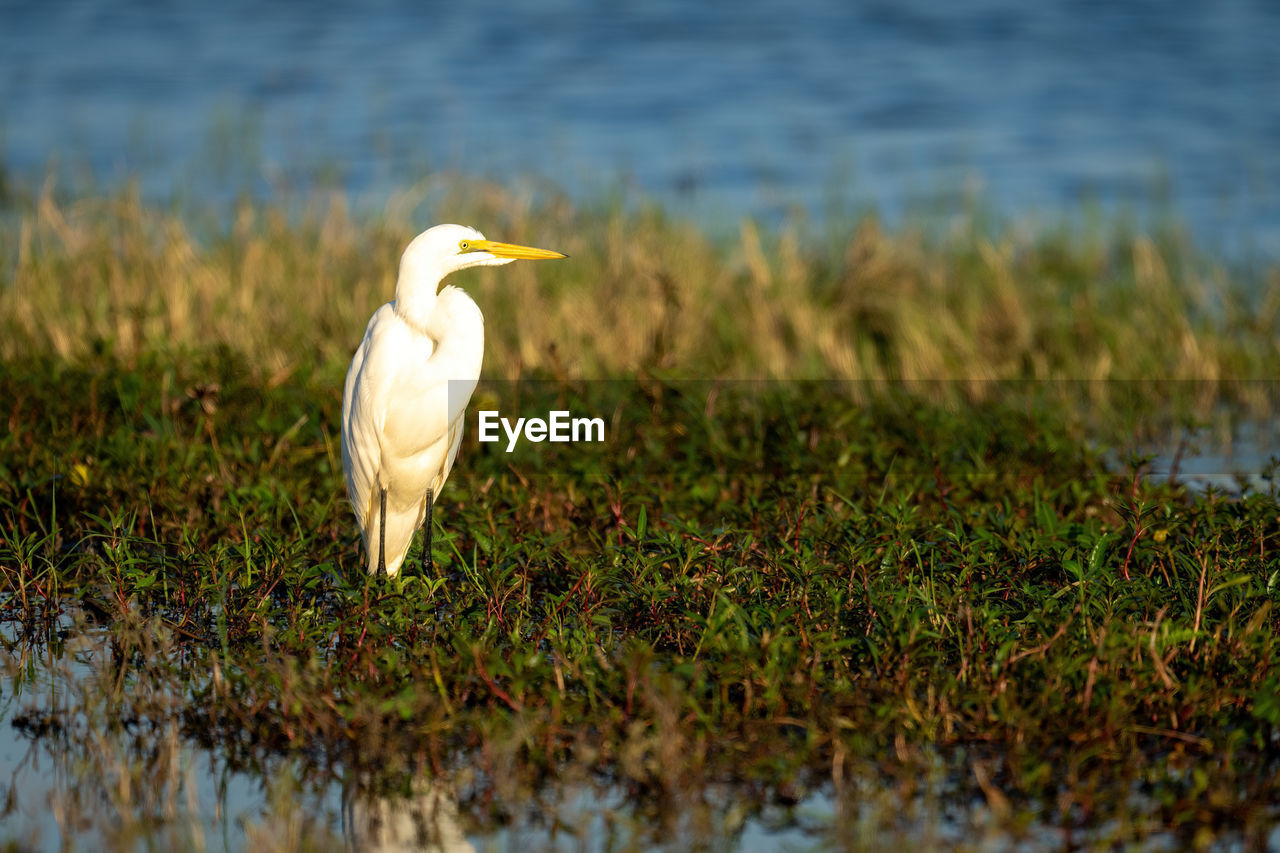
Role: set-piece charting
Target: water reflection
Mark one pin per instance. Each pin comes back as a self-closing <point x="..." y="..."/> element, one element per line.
<point x="86" y="751"/>
<point x="1235" y="459"/>
<point x="424" y="819"/>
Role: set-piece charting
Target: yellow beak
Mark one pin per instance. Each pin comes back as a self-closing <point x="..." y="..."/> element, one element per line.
<point x="511" y="250"/>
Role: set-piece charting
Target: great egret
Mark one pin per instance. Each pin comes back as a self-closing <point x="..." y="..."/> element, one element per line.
<point x="408" y="386"/>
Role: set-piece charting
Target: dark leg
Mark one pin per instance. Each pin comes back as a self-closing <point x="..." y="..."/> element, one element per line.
<point x="426" y="535"/>
<point x="382" y="532"/>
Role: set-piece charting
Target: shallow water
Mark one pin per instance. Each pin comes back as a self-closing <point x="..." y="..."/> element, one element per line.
<point x="906" y="106"/>
<point x="163" y="792"/>
<point x="1246" y="460"/>
<point x="51" y="803"/>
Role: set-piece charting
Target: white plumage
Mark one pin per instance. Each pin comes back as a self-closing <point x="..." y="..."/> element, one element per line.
<point x="407" y="389"/>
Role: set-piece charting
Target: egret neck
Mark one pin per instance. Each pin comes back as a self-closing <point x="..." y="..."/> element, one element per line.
<point x="416" y="294"/>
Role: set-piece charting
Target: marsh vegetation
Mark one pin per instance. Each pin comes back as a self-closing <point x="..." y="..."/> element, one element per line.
<point x="857" y="532"/>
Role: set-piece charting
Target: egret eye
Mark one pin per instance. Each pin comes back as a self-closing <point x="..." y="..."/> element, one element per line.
<point x="464" y="245"/>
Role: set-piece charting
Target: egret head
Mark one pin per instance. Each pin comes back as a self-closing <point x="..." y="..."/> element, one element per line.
<point x="444" y="249"/>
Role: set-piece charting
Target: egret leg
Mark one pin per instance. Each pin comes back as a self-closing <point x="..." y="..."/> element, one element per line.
<point x="426" y="533"/>
<point x="382" y="531"/>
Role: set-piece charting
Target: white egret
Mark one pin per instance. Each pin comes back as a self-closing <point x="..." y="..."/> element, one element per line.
<point x="408" y="386"/>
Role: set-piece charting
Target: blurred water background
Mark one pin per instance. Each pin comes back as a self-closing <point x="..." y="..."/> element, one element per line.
<point x="1031" y="111"/>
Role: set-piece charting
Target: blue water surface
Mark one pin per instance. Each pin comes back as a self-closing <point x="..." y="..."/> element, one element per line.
<point x="717" y="110"/>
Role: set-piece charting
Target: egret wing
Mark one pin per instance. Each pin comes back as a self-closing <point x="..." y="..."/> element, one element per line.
<point x="362" y="421"/>
<point x="455" y="441"/>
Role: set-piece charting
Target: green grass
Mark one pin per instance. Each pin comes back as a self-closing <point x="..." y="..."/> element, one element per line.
<point x="848" y="585"/>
